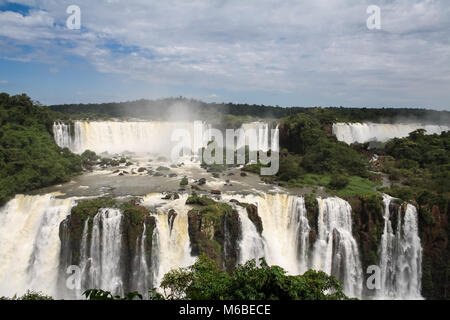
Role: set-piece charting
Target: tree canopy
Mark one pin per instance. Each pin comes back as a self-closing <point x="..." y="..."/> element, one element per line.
<point x="29" y="156"/>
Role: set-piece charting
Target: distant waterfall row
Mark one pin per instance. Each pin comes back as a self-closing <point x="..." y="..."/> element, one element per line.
<point x="116" y="137"/>
<point x="366" y="132"/>
<point x="147" y="136"/>
<point x="35" y="250"/>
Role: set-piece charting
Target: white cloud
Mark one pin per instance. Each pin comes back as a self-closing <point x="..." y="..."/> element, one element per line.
<point x="258" y="45"/>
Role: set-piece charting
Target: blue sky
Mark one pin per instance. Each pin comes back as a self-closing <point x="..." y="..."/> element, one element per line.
<point x="287" y="53"/>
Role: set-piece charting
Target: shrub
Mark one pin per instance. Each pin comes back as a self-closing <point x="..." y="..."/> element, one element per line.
<point x="338" y="182"/>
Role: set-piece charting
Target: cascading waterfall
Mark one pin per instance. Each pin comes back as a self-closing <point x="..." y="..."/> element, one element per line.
<point x="366" y="132"/>
<point x="63" y="136"/>
<point x="141" y="275"/>
<point x="104" y="271"/>
<point x="84" y="258"/>
<point x="252" y="244"/>
<point x="386" y="263"/>
<point x="279" y="241"/>
<point x="410" y="250"/>
<point x="29" y="243"/>
<point x="285" y="238"/>
<point x="335" y="250"/>
<point x="116" y="136"/>
<point x="303" y="233"/>
<point x="400" y="255"/>
<point x="171" y="246"/>
<point x="255" y="246"/>
<point x="280" y="217"/>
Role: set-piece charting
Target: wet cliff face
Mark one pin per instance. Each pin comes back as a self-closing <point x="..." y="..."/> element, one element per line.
<point x="434" y="232"/>
<point x="252" y="212"/>
<point x="368" y="224"/>
<point x="214" y="230"/>
<point x="133" y="221"/>
<point x="71" y="229"/>
<point x="312" y="211"/>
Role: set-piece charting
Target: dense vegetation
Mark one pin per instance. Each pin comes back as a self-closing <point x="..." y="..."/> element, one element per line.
<point x="205" y="281"/>
<point x="419" y="166"/>
<point x="29" y="157"/>
<point x="310" y="156"/>
<point x="303" y="136"/>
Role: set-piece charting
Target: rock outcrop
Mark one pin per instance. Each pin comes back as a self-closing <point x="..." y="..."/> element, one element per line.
<point x="214" y="230"/>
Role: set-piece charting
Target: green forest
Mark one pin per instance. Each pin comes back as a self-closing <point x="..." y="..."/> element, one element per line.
<point x="29" y="156"/>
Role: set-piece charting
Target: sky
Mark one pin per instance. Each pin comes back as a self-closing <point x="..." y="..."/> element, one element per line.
<point x="286" y="53"/>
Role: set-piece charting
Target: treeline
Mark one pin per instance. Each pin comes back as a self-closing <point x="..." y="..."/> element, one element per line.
<point x="29" y="156"/>
<point x="185" y="109"/>
<point x="303" y="136"/>
<point x="418" y="164"/>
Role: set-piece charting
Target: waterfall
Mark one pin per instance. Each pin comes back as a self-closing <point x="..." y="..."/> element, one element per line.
<point x="141" y="275"/>
<point x="276" y="244"/>
<point x="279" y="215"/>
<point x="251" y="244"/>
<point x="335" y="250"/>
<point x="285" y="237"/>
<point x="84" y="255"/>
<point x="30" y="247"/>
<point x="400" y="255"/>
<point x="366" y="132"/>
<point x="148" y="136"/>
<point x="116" y="136"/>
<point x="303" y="231"/>
<point x="171" y="246"/>
<point x="104" y="271"/>
<point x="265" y="139"/>
<point x="62" y="134"/>
<point x="387" y="263"/>
<point x="29" y="243"/>
<point x="280" y="219"/>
